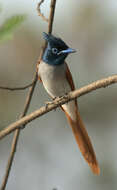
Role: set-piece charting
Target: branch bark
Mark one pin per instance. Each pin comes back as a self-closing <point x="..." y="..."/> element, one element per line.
<point x="59" y="101"/>
<point x="39" y="11"/>
<point x="27" y="103"/>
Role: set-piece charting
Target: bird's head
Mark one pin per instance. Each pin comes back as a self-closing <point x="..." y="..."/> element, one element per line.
<point x="56" y="50"/>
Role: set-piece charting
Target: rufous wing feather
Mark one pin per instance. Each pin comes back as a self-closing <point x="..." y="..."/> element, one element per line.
<point x="81" y="134"/>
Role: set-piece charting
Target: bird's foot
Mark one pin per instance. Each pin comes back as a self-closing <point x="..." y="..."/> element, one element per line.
<point x="63" y="96"/>
<point x="49" y="103"/>
<point x="54" y="98"/>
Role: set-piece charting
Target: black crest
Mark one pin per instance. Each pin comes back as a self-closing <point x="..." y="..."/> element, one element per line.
<point x="54" y="41"/>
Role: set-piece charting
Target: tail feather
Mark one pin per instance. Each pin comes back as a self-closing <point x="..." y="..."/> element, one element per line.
<point x="84" y="143"/>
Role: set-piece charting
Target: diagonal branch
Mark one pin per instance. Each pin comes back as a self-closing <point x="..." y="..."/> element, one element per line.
<point x="16" y="88"/>
<point x="27" y="103"/>
<point x="59" y="101"/>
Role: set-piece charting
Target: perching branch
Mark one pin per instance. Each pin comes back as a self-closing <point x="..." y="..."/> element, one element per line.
<point x="27" y="103"/>
<point x="39" y="11"/>
<point x="59" y="101"/>
<point x="16" y="88"/>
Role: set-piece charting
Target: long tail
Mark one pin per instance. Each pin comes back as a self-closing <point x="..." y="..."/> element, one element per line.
<point x="84" y="142"/>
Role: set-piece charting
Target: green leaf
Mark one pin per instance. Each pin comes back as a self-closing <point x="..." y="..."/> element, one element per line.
<point x="8" y="27"/>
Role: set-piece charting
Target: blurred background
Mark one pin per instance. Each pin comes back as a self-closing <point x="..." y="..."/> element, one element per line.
<point x="47" y="156"/>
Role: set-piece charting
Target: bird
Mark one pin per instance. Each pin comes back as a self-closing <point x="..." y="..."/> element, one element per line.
<point x="57" y="80"/>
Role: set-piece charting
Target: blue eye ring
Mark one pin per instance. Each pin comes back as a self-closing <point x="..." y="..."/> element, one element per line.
<point x="54" y="50"/>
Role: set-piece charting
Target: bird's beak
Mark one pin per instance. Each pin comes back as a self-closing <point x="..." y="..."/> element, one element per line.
<point x="69" y="50"/>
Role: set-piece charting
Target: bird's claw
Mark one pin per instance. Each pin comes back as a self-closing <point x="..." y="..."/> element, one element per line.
<point x="47" y="104"/>
<point x="55" y="98"/>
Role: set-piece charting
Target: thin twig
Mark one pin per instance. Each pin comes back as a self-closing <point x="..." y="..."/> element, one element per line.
<point x="16" y="88"/>
<point x="59" y="101"/>
<point x="39" y="11"/>
<point x="27" y="104"/>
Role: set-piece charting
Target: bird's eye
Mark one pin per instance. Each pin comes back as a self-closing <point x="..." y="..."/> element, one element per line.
<point x="54" y="50"/>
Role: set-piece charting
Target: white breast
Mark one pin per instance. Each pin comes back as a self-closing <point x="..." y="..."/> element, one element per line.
<point x="56" y="84"/>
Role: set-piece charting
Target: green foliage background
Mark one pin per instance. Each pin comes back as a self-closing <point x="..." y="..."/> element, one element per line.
<point x="9" y="26"/>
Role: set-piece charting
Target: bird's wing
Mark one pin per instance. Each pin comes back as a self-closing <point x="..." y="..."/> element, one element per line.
<point x="37" y="69"/>
<point x="70" y="80"/>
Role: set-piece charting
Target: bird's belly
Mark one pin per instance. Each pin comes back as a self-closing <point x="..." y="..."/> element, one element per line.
<point x="56" y="84"/>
